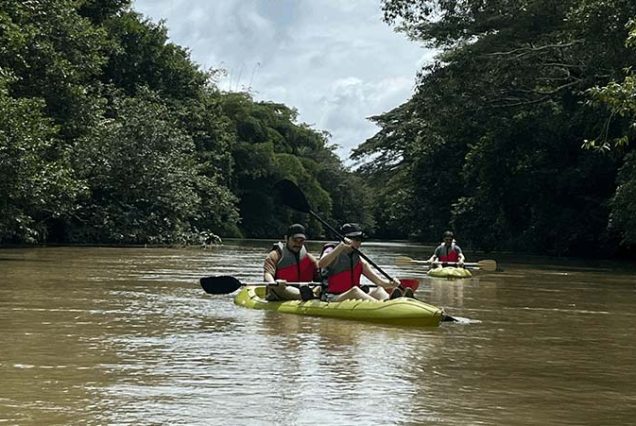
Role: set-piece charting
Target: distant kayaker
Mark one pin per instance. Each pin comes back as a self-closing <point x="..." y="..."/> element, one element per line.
<point x="448" y="251"/>
<point x="290" y="262"/>
<point x="342" y="268"/>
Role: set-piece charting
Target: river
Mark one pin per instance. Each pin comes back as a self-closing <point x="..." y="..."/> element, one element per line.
<point x="127" y="336"/>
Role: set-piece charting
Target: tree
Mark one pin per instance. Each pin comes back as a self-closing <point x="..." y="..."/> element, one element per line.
<point x="143" y="176"/>
<point x="55" y="54"/>
<point x="620" y="100"/>
<point x="490" y="142"/>
<point x="35" y="185"/>
<point x="142" y="57"/>
<point x="113" y="134"/>
<point x="271" y="145"/>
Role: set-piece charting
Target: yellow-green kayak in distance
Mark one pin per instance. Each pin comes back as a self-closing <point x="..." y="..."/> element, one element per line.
<point x="400" y="311"/>
<point x="449" y="272"/>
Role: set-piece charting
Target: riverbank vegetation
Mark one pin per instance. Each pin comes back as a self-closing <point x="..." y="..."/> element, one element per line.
<point x="519" y="133"/>
<point x="111" y="134"/>
<point x="517" y="136"/>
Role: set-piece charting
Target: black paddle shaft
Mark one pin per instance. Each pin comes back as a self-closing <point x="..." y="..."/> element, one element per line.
<point x="295" y="198"/>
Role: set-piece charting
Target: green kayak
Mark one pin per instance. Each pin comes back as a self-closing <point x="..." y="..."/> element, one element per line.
<point x="401" y="311"/>
<point x="449" y="272"/>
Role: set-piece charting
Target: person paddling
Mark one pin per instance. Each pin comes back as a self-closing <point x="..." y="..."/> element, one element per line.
<point x="448" y="251"/>
<point x="342" y="268"/>
<point x="290" y="262"/>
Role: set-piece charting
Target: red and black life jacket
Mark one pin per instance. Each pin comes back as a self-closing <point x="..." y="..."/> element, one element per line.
<point x="294" y="267"/>
<point x="344" y="272"/>
<point x="448" y="253"/>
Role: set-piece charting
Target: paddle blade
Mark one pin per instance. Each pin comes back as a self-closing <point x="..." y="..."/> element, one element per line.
<point x="292" y="196"/>
<point x="220" y="285"/>
<point x="487" y="265"/>
<point x="412" y="283"/>
<point x="403" y="261"/>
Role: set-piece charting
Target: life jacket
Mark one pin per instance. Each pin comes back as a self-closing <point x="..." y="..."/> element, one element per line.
<point x="294" y="267"/>
<point x="344" y="272"/>
<point x="449" y="254"/>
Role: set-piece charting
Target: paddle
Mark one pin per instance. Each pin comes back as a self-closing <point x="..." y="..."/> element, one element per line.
<point x="485" y="265"/>
<point x="293" y="197"/>
<point x="227" y="284"/>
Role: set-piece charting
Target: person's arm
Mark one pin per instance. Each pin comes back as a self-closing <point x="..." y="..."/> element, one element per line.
<point x="330" y="255"/>
<point x="461" y="258"/>
<point x="376" y="279"/>
<point x="314" y="261"/>
<point x="269" y="267"/>
<point x="435" y="257"/>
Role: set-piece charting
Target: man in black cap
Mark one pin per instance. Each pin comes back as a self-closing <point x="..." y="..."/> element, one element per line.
<point x="447" y="251"/>
<point x="342" y="266"/>
<point x="290" y="262"/>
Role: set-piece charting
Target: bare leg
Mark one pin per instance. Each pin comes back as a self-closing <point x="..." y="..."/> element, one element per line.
<point x="354" y="293"/>
<point x="379" y="293"/>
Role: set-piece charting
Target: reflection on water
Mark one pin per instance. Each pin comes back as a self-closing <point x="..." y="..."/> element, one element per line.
<point x="111" y="335"/>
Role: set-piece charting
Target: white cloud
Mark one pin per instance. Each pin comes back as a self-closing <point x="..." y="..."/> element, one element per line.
<point x="335" y="61"/>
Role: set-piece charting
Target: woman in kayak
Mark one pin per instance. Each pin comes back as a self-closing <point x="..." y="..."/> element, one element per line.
<point x="448" y="251"/>
<point x="342" y="268"/>
<point x="290" y="262"/>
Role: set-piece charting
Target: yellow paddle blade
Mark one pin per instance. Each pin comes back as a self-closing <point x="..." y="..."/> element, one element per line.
<point x="488" y="265"/>
<point x="403" y="261"/>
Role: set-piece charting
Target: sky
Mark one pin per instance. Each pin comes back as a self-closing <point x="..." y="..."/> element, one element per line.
<point x="335" y="61"/>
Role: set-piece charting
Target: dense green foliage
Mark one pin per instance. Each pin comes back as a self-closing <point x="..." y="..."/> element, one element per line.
<point x="36" y="182"/>
<point x="620" y="99"/>
<point x="491" y="144"/>
<point x="111" y="134"/>
<point x="519" y="136"/>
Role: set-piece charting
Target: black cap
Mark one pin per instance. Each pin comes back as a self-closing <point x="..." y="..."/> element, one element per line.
<point x="351" y="230"/>
<point x="296" y="231"/>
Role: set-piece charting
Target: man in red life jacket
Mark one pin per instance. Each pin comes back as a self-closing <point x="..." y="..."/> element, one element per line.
<point x="290" y="262"/>
<point x="343" y="267"/>
<point x="448" y="251"/>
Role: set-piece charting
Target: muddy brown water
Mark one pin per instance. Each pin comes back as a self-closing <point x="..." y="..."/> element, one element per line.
<point x="127" y="336"/>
